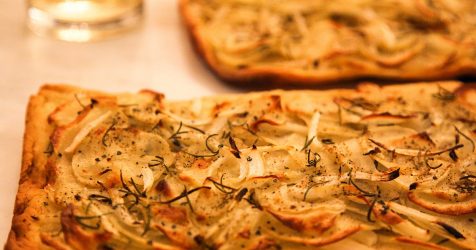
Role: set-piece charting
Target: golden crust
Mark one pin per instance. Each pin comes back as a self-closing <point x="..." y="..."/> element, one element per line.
<point x="32" y="176"/>
<point x="43" y="220"/>
<point x="279" y="76"/>
<point x="35" y="174"/>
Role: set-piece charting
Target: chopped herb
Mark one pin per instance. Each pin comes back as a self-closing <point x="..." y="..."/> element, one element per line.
<point x="147" y="217"/>
<point x="178" y="132"/>
<point x="253" y="201"/>
<point x="327" y="141"/>
<point x="183" y="194"/>
<point x="451" y="230"/>
<point x="357" y="187"/>
<point x="49" y="149"/>
<point x="106" y="134"/>
<point x="100" y="198"/>
<point x="432" y="167"/>
<point x="80" y="220"/>
<point x="93" y="102"/>
<point x="241" y="194"/>
<point x="79" y="102"/>
<point x="307" y="143"/>
<point x="444" y="94"/>
<point x="307" y="191"/>
<point x="105" y="171"/>
<point x="196" y="129"/>
<point x="453" y="155"/>
<point x="373" y="151"/>
<point x="468" y="177"/>
<point x="208" y="145"/>
<point x="371" y="207"/>
<point x="235" y="151"/>
<point x="467" y="138"/>
<point x="312" y="162"/>
<point x="222" y="187"/>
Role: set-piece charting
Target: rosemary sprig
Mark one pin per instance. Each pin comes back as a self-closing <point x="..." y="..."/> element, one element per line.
<point x="222" y="187"/>
<point x="372" y="205"/>
<point x="128" y="192"/>
<point x="79" y="219"/>
<point x="159" y="161"/>
<point x="307" y="143"/>
<point x="106" y="134"/>
<point x="147" y="217"/>
<point x="100" y="198"/>
<point x="357" y="187"/>
<point x="312" y="162"/>
<point x="189" y="203"/>
<point x="79" y="102"/>
<point x="307" y="191"/>
<point x="178" y="132"/>
<point x="183" y="194"/>
<point x="473" y="146"/>
<point x="207" y="145"/>
<point x="215" y="152"/>
<point x="195" y="128"/>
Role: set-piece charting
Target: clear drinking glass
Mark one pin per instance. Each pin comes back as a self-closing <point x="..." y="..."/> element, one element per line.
<point x="83" y="20"/>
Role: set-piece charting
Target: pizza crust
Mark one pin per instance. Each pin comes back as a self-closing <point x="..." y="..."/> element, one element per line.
<point x="282" y="76"/>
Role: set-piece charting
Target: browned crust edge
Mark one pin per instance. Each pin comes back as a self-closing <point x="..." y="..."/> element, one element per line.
<point x="279" y="77"/>
<point x="25" y="230"/>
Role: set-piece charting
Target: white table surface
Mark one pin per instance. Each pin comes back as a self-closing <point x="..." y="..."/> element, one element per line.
<point x="158" y="56"/>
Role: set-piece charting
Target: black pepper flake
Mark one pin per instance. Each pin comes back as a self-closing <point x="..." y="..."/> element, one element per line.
<point x="97" y="159"/>
<point x="249" y="158"/>
<point x="315" y="63"/>
<point x="77" y="197"/>
<point x="453" y="155"/>
<point x="241" y="194"/>
<point x="327" y="141"/>
<point x="35" y="218"/>
<point x="118" y="153"/>
<point x="93" y="102"/>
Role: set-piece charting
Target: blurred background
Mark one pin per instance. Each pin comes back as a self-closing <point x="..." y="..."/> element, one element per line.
<point x="156" y="55"/>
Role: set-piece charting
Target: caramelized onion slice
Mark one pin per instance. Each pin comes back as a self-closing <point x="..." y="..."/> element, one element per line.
<point x="442" y="207"/>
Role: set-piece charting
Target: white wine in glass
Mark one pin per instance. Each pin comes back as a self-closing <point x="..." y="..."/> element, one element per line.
<point x="83" y="20"/>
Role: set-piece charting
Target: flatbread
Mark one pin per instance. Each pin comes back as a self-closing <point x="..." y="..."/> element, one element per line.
<point x="373" y="168"/>
<point x="313" y="42"/>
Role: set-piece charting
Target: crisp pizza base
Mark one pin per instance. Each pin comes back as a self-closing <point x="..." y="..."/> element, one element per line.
<point x="373" y="168"/>
<point x="307" y="43"/>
